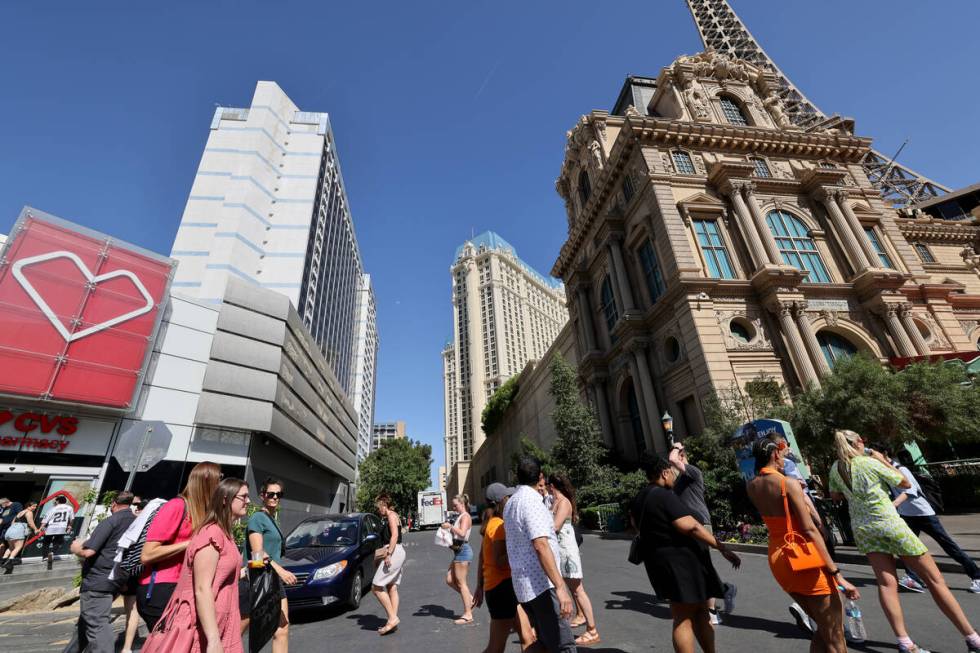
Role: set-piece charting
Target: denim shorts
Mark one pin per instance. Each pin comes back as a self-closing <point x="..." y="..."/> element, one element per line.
<point x="465" y="553"/>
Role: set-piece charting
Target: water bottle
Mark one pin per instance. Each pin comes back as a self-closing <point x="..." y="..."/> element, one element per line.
<point x="855" y="624"/>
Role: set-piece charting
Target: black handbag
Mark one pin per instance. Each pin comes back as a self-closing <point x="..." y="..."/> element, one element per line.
<point x="636" y="546"/>
<point x="578" y="535"/>
<point x="265" y="595"/>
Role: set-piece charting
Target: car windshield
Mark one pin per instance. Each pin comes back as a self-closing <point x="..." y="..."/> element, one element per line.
<point x="323" y="532"/>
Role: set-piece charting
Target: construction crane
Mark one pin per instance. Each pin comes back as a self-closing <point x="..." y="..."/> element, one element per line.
<point x="723" y="31"/>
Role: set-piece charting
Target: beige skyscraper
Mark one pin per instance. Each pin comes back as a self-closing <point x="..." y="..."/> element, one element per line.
<point x="504" y="315"/>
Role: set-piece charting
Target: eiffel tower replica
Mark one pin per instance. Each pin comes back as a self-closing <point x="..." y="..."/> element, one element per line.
<point x="723" y="31"/>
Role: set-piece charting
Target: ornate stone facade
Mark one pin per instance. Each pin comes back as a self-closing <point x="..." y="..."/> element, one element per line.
<point x="711" y="241"/>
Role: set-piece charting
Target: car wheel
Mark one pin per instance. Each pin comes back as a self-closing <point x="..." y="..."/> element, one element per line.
<point x="356" y="591"/>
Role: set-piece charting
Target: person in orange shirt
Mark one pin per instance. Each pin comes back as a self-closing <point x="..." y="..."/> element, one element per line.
<point x="493" y="577"/>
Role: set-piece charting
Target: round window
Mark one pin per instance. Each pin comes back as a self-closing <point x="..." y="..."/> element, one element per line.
<point x="742" y="330"/>
<point x="673" y="349"/>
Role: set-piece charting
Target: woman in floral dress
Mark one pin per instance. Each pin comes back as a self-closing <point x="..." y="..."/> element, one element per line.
<point x="861" y="475"/>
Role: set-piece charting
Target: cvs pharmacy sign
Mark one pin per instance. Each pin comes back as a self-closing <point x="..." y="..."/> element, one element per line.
<point x="78" y="313"/>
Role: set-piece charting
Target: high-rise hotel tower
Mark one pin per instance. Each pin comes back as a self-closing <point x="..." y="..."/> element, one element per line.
<point x="504" y="315"/>
<point x="268" y="206"/>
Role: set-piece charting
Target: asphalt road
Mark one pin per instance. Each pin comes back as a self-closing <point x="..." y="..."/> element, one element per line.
<point x="628" y="618"/>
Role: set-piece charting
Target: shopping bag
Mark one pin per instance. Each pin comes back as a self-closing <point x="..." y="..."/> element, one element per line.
<point x="266" y="606"/>
<point x="444" y="537"/>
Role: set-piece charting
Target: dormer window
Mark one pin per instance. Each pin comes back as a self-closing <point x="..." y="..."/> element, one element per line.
<point x="733" y="112"/>
<point x="683" y="163"/>
<point x="761" y="168"/>
<point x="584" y="187"/>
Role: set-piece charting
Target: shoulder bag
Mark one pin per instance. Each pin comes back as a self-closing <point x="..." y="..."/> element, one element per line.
<point x="636" y="546"/>
<point x="799" y="551"/>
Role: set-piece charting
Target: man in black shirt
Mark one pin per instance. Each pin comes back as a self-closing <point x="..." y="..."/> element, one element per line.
<point x="98" y="590"/>
<point x="689" y="487"/>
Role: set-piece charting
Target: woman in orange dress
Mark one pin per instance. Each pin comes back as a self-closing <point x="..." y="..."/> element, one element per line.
<point x="783" y="507"/>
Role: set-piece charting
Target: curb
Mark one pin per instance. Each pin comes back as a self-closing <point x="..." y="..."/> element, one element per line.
<point x="843" y="557"/>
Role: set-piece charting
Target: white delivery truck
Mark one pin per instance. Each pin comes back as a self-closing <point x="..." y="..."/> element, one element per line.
<point x="431" y="509"/>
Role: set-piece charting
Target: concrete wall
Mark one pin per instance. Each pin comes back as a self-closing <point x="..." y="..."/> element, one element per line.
<point x="267" y="375"/>
<point x="529" y="414"/>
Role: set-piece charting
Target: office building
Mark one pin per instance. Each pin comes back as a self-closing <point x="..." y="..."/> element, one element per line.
<point x="387" y="431"/>
<point x="504" y="315"/>
<point x="268" y="206"/>
<point x="365" y="365"/>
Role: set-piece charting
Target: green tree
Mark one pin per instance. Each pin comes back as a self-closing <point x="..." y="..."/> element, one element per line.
<point x="578" y="447"/>
<point x="497" y="405"/>
<point x="528" y="448"/>
<point x="399" y="467"/>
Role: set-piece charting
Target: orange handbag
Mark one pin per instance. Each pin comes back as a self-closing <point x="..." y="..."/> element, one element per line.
<point x="799" y="551"/>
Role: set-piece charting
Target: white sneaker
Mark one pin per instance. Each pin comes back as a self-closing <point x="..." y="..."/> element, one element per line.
<point x="801" y="617"/>
<point x="974" y="586"/>
<point x="908" y="583"/>
<point x="714" y="617"/>
<point x="730" y="592"/>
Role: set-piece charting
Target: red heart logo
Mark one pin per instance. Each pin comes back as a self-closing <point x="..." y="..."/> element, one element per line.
<point x="5" y="416"/>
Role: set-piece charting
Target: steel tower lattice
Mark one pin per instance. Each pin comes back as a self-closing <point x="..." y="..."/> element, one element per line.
<point x="723" y="31"/>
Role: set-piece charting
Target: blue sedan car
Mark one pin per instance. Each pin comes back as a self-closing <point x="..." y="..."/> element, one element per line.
<point x="332" y="557"/>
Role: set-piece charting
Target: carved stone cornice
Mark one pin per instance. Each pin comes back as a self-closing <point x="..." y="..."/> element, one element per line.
<point x="812" y="179"/>
<point x="933" y="229"/>
<point x="723" y="173"/>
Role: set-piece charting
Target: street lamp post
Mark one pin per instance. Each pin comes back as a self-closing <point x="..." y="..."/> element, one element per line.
<point x="668" y="424"/>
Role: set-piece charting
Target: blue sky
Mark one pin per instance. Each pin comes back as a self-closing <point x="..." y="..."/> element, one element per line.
<point x="449" y="117"/>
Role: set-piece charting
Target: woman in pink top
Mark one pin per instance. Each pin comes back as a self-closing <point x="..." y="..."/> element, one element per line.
<point x="203" y="614"/>
<point x="166" y="541"/>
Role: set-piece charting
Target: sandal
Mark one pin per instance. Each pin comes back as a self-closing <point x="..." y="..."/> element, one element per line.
<point x="463" y="621"/>
<point x="388" y="628"/>
<point x="588" y="638"/>
<point x="577" y="624"/>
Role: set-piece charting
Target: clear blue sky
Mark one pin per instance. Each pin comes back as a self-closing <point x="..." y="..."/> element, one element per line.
<point x="449" y="117"/>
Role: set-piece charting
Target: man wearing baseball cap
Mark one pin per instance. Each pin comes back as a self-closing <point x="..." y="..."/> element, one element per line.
<point x="493" y="581"/>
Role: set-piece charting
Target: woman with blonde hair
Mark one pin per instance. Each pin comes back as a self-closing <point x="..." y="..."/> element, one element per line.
<point x="462" y="556"/>
<point x="390" y="558"/>
<point x="202" y="614"/>
<point x="861" y="475"/>
<point x="167" y="538"/>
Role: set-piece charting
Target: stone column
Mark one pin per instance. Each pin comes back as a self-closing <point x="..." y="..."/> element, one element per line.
<point x="622" y="281"/>
<point x="840" y="197"/>
<point x="797" y="349"/>
<point x="810" y="339"/>
<point x="854" y="250"/>
<point x="760" y="223"/>
<point x="648" y="400"/>
<point x="605" y="419"/>
<point x="585" y="316"/>
<point x="902" y="341"/>
<point x="641" y="405"/>
<point x="905" y="315"/>
<point x="477" y="376"/>
<point x="756" y="247"/>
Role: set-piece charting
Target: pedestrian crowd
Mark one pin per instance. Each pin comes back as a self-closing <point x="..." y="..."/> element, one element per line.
<point x="180" y="571"/>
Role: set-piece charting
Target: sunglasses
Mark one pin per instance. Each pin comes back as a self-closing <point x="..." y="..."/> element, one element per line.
<point x="272" y="495"/>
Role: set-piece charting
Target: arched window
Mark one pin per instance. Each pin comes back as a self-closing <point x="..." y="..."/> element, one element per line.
<point x="683" y="163"/>
<point x="796" y="246"/>
<point x="835" y="347"/>
<point x="733" y="112"/>
<point x="608" y="302"/>
<point x="584" y="187"/>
